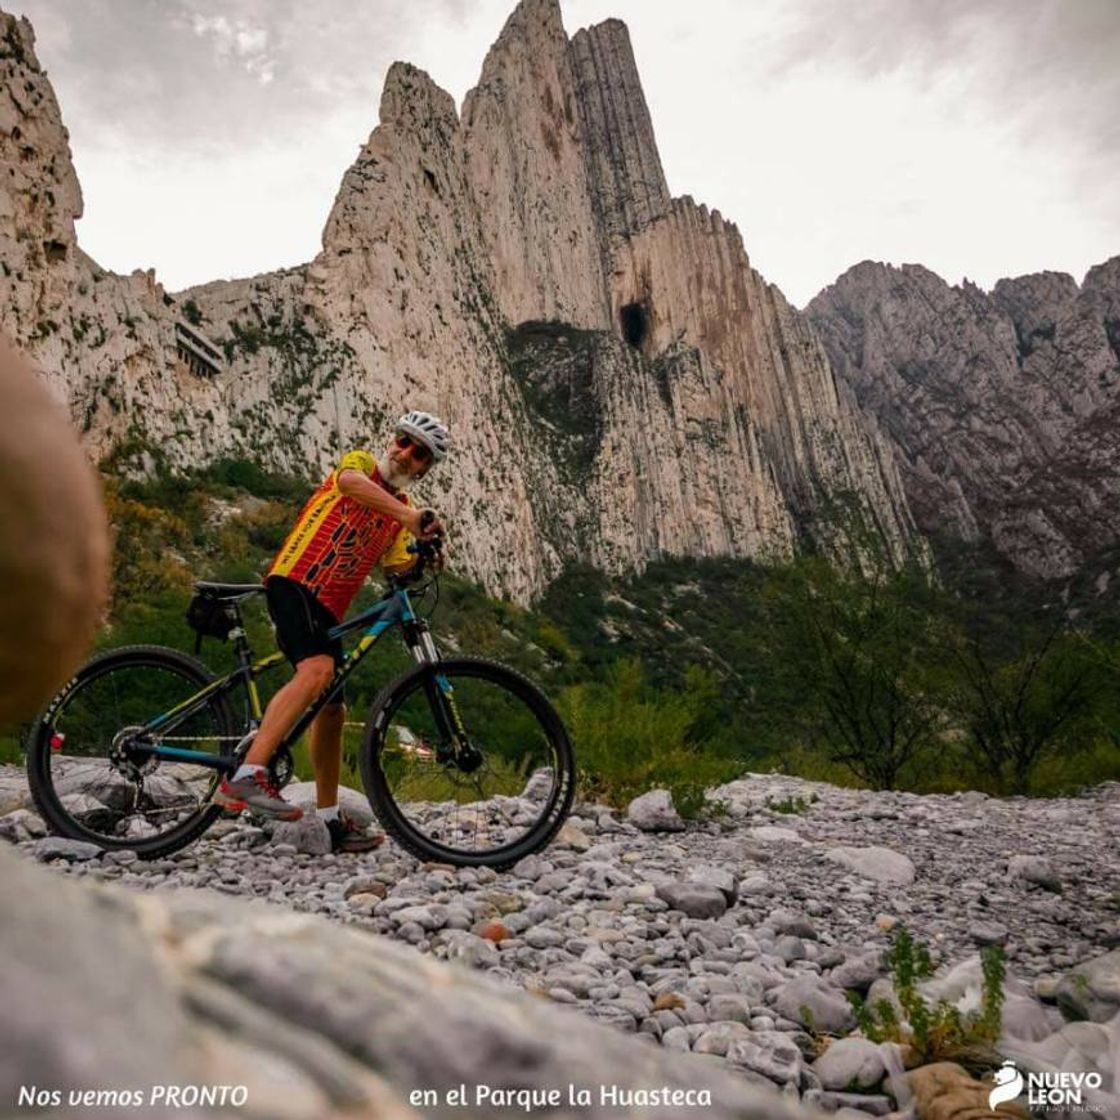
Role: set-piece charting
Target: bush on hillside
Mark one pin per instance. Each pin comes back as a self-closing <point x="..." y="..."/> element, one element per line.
<point x="629" y="738"/>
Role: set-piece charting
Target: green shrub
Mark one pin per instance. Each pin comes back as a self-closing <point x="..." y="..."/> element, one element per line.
<point x="630" y="738"/>
<point x="940" y="1032"/>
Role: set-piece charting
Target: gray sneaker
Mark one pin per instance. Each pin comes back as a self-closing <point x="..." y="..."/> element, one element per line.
<point x="256" y="793"/>
<point x="349" y="836"/>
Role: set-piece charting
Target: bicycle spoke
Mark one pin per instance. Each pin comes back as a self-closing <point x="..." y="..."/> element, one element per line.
<point x="475" y="802"/>
<point x="94" y="757"/>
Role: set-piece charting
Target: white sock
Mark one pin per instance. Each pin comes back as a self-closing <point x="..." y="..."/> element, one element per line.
<point x="327" y="812"/>
<point x="245" y="772"/>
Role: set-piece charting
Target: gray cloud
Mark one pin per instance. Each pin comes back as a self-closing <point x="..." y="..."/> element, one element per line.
<point x="219" y="72"/>
<point x="1048" y="68"/>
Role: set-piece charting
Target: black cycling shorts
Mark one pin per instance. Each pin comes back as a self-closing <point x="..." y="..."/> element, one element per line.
<point x="302" y="624"/>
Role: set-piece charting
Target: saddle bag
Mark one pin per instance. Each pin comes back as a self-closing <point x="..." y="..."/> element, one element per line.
<point x="211" y="617"/>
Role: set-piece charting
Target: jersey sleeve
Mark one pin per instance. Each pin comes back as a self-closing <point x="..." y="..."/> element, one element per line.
<point x="362" y="461"/>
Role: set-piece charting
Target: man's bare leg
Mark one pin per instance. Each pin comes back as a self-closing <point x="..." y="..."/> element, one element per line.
<point x="326" y="757"/>
<point x="313" y="674"/>
<point x="326" y="753"/>
<point x="249" y="787"/>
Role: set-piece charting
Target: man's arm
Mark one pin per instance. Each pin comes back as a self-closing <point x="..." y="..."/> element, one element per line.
<point x="362" y="489"/>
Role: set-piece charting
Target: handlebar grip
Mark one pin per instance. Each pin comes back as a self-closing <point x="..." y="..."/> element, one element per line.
<point x="426" y="518"/>
<point x="426" y="547"/>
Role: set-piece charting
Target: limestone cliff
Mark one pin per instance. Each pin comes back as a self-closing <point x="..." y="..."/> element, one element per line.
<point x="621" y="382"/>
<point x="1004" y="407"/>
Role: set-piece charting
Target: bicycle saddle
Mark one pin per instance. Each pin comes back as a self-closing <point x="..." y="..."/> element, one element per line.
<point x="227" y="590"/>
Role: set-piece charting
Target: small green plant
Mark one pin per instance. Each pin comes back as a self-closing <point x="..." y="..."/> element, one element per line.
<point x="693" y="803"/>
<point x="789" y="805"/>
<point x="939" y="1032"/>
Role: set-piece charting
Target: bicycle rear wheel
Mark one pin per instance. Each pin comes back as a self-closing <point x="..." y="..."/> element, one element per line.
<point x="88" y="777"/>
<point x="466" y="762"/>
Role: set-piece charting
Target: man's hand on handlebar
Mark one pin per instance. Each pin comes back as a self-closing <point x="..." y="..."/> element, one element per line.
<point x="429" y="555"/>
<point x="424" y="524"/>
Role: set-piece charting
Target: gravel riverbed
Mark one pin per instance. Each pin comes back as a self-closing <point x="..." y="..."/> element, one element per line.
<point x="736" y="937"/>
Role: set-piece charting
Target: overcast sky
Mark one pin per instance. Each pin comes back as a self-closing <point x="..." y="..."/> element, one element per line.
<point x="978" y="137"/>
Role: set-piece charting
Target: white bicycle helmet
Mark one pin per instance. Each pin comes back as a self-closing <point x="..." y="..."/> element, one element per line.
<point x="432" y="433"/>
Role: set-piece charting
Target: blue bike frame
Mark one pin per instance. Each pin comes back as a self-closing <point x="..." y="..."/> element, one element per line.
<point x="395" y="609"/>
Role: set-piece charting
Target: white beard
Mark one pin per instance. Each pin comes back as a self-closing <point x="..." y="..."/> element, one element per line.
<point x="393" y="475"/>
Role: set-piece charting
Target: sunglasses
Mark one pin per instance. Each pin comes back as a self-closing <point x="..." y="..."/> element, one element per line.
<point x="417" y="450"/>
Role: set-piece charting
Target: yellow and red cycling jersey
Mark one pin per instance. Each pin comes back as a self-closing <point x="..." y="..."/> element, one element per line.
<point x="336" y="540"/>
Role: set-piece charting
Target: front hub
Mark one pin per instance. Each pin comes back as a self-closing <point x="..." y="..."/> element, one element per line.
<point x="469" y="758"/>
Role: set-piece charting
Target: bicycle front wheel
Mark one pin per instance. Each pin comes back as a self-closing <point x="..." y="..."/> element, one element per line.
<point x="90" y="773"/>
<point x="466" y="762"/>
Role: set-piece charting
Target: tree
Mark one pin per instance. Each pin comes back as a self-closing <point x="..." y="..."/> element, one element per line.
<point x="1046" y="698"/>
<point x="861" y="645"/>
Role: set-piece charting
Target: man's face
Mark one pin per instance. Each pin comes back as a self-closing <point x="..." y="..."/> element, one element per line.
<point x="406" y="460"/>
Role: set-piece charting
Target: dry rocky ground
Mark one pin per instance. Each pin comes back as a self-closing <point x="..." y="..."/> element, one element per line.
<point x="735" y="938"/>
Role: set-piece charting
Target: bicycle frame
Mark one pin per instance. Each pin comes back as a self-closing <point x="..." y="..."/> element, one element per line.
<point x="395" y="609"/>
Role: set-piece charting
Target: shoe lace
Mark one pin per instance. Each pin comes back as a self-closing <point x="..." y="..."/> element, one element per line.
<point x="264" y="780"/>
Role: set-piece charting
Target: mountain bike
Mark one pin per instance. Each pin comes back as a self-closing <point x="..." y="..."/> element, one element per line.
<point x="464" y="760"/>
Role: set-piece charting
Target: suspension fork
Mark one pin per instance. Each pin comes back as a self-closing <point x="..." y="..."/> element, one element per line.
<point x="441" y="696"/>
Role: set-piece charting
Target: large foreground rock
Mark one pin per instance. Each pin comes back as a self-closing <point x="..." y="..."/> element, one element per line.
<point x="315" y="1019"/>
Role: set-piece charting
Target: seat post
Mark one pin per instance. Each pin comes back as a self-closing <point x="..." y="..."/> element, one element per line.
<point x="241" y="648"/>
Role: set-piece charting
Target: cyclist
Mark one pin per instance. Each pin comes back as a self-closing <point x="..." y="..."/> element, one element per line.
<point x="360" y="516"/>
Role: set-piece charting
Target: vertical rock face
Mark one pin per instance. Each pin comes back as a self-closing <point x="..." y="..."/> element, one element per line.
<point x="1005" y="407"/>
<point x="526" y="159"/>
<point x="629" y="184"/>
<point x="687" y="278"/>
<point x="103" y="343"/>
<point x="40" y="198"/>
<point x="621" y="383"/>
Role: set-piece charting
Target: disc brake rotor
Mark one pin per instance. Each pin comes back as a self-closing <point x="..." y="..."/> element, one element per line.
<point x="123" y="760"/>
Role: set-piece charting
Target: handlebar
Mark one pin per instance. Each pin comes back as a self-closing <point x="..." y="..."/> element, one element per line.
<point x="424" y="550"/>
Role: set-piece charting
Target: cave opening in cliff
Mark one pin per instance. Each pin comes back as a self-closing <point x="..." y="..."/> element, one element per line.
<point x="635" y="324"/>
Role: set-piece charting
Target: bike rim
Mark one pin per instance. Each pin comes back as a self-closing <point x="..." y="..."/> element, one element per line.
<point x="517" y="788"/>
<point x="112" y="793"/>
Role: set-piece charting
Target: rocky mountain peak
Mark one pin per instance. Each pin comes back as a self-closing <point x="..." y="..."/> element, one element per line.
<point x="42" y="186"/>
<point x="1103" y="277"/>
<point x="630" y="187"/>
<point x="1004" y="407"/>
<point x="535" y="20"/>
<point x="410" y="99"/>
<point x="1035" y="303"/>
<point x="622" y="383"/>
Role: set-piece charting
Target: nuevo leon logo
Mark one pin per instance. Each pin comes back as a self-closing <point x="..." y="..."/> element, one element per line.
<point x="1044" y="1090"/>
<point x="1008" y="1085"/>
